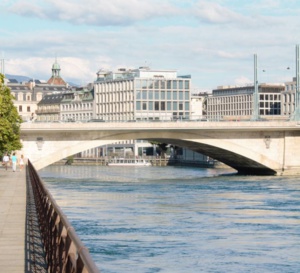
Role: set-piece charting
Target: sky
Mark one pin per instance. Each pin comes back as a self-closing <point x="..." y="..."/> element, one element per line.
<point x="213" y="41"/>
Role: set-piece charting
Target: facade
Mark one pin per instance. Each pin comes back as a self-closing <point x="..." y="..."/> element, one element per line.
<point x="49" y="108"/>
<point x="141" y="94"/>
<point x="288" y="98"/>
<point x="29" y="94"/>
<point x="198" y="106"/>
<point x="77" y="105"/>
<point x="25" y="98"/>
<point x="237" y="102"/>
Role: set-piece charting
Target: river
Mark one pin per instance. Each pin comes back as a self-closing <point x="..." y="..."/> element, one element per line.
<point x="181" y="219"/>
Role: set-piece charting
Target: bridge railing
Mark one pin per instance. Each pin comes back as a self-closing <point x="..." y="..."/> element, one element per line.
<point x="164" y="118"/>
<point x="64" y="250"/>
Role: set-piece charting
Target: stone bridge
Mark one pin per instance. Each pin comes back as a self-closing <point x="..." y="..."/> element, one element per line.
<point x="250" y="147"/>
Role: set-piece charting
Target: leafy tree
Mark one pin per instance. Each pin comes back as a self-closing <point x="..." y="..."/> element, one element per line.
<point x="162" y="147"/>
<point x="10" y="121"/>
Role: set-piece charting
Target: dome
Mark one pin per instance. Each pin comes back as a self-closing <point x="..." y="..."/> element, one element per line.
<point x="56" y="66"/>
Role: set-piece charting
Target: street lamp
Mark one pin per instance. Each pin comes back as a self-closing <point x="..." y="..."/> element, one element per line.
<point x="296" y="115"/>
<point x="255" y="114"/>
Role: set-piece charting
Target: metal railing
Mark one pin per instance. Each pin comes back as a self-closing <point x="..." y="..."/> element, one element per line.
<point x="64" y="250"/>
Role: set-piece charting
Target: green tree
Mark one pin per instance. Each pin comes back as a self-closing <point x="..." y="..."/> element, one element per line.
<point x="10" y="121"/>
<point x="162" y="147"/>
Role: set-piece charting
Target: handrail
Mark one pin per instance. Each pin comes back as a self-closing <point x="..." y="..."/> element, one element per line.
<point x="64" y="250"/>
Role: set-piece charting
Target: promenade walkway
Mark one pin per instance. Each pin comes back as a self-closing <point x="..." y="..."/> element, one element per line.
<point x="20" y="245"/>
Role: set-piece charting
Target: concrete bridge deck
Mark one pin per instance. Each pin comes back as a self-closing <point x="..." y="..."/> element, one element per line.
<point x="20" y="244"/>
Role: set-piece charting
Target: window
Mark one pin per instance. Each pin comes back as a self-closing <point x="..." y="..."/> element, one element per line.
<point x="174" y="84"/>
<point x="187" y="95"/>
<point x="144" y="106"/>
<point x="169" y="85"/>
<point x="180" y="84"/>
<point x="174" y="95"/>
<point x="28" y="108"/>
<point x="138" y="105"/>
<point x="157" y="95"/>
<point x="150" y="94"/>
<point x="169" y="96"/>
<point x="186" y="84"/>
<point x="162" y="106"/>
<point x="144" y="95"/>
<point x="180" y="95"/>
<point x="156" y="105"/>
<point x="175" y="106"/>
<point x="20" y="108"/>
<point x="187" y="106"/>
<point x="150" y="105"/>
<point x="180" y="106"/>
<point x="169" y="106"/>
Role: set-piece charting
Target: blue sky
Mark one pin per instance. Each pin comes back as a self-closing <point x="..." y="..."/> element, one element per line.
<point x="213" y="41"/>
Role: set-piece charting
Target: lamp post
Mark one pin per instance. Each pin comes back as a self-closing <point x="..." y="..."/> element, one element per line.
<point x="296" y="115"/>
<point x="255" y="114"/>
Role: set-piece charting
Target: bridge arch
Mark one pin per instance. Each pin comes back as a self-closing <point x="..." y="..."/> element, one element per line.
<point x="243" y="158"/>
<point x="249" y="147"/>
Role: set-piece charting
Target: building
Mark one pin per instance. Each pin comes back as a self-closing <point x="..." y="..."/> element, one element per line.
<point x="29" y="94"/>
<point x="141" y="94"/>
<point x="77" y="105"/>
<point x="198" y="106"/>
<point x="25" y="98"/>
<point x="237" y="102"/>
<point x="56" y="79"/>
<point x="288" y="98"/>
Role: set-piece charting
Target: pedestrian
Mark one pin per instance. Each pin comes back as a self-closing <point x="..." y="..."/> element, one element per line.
<point x="21" y="163"/>
<point x="5" y="161"/>
<point x="14" y="161"/>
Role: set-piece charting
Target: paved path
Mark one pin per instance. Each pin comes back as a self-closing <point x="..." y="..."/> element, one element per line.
<point x="21" y="248"/>
<point x="12" y="220"/>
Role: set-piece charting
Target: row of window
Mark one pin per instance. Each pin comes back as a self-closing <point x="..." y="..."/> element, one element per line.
<point x="77" y="106"/>
<point x="162" y="106"/>
<point x="162" y="84"/>
<point x="162" y="95"/>
<point x="21" y="109"/>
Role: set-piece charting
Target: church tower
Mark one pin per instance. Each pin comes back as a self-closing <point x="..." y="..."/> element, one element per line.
<point x="56" y="78"/>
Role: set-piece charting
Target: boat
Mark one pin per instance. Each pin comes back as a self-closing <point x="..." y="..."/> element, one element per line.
<point x="128" y="162"/>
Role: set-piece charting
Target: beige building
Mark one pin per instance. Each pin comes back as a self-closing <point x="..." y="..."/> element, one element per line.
<point x="237" y="102"/>
<point x="288" y="98"/>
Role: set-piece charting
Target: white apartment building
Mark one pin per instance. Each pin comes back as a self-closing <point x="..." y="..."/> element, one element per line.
<point x="141" y="94"/>
<point x="237" y="102"/>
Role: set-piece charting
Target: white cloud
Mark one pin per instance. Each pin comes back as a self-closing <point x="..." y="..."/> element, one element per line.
<point x="214" y="13"/>
<point x="95" y="12"/>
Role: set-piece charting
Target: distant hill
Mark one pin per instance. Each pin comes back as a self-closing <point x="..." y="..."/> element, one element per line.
<point x="26" y="79"/>
<point x="18" y="78"/>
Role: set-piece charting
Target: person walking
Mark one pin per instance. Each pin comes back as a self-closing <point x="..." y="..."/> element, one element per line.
<point x="21" y="163"/>
<point x="5" y="161"/>
<point x="14" y="161"/>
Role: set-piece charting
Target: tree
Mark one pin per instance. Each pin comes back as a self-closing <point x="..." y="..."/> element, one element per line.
<point x="10" y="121"/>
<point x="162" y="147"/>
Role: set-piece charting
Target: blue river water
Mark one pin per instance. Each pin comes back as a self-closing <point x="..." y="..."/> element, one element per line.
<point x="181" y="219"/>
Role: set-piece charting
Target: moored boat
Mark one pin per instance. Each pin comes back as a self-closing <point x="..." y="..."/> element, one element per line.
<point x="128" y="162"/>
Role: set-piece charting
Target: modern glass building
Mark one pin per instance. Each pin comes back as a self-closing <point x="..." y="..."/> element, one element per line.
<point x="142" y="94"/>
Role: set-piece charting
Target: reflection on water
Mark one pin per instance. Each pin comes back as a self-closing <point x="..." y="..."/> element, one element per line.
<point x="168" y="219"/>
